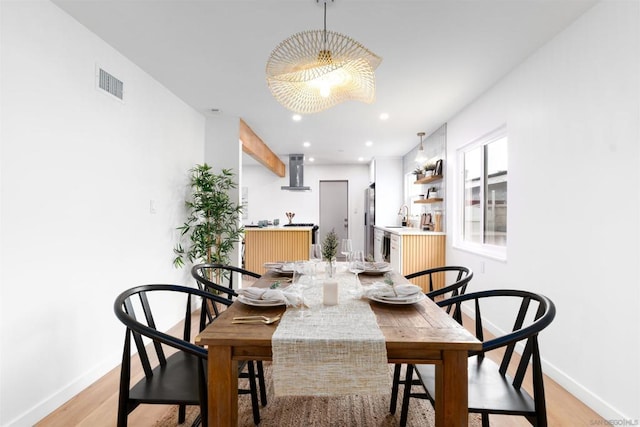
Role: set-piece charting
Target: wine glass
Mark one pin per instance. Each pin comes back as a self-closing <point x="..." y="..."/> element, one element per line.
<point x="357" y="264"/>
<point x="346" y="248"/>
<point x="315" y="255"/>
<point x="299" y="281"/>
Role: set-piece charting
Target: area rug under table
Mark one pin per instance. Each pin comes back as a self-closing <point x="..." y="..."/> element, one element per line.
<point x="348" y="411"/>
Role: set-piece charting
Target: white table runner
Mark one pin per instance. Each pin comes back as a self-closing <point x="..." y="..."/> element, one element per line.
<point x="333" y="350"/>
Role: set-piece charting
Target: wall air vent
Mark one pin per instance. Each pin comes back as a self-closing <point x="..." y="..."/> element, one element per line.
<point x="110" y="84"/>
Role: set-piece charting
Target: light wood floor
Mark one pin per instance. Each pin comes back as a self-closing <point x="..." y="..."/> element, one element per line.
<point x="96" y="406"/>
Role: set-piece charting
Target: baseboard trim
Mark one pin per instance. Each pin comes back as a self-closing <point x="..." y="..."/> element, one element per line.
<point x="53" y="402"/>
<point x="586" y="396"/>
<point x="583" y="394"/>
<point x="62" y="396"/>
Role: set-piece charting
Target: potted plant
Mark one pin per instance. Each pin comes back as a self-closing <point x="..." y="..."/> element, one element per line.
<point x="429" y="168"/>
<point x="212" y="227"/>
<point x="329" y="250"/>
<point x="432" y="193"/>
<point x="418" y="173"/>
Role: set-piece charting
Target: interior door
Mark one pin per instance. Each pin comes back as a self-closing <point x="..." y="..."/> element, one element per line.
<point x="334" y="209"/>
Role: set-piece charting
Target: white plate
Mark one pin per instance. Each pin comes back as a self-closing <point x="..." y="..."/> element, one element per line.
<point x="376" y="271"/>
<point x="283" y="272"/>
<point x="272" y="265"/>
<point x="398" y="301"/>
<point x="259" y="302"/>
<point x="284" y="268"/>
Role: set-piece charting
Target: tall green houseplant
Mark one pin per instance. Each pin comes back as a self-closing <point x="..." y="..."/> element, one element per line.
<point x="213" y="226"/>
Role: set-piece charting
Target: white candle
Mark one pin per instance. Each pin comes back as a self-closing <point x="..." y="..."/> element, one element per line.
<point x="330" y="292"/>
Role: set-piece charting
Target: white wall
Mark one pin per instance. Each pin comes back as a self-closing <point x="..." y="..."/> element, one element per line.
<point x="223" y="150"/>
<point x="389" y="190"/>
<point x="268" y="201"/>
<point x="572" y="112"/>
<point x="79" y="170"/>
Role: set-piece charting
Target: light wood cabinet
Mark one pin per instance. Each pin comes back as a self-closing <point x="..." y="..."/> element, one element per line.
<point x="275" y="244"/>
<point x="411" y="253"/>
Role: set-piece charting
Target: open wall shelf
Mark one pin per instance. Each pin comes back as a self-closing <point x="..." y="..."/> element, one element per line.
<point x="426" y="201"/>
<point x="428" y="179"/>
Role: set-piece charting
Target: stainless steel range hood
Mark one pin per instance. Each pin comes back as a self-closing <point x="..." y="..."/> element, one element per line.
<point x="296" y="174"/>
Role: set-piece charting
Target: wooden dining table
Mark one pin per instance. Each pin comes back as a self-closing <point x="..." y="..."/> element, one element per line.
<point x="420" y="333"/>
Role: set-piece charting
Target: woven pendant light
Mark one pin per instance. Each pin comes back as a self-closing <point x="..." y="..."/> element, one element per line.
<point x="312" y="71"/>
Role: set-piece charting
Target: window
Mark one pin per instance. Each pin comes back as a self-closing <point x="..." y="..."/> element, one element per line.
<point x="483" y="202"/>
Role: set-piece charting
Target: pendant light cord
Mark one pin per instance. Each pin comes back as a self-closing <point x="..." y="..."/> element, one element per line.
<point x="325" y="23"/>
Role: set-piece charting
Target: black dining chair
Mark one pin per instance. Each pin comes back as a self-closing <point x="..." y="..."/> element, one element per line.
<point x="454" y="280"/>
<point x="219" y="279"/>
<point x="176" y="374"/>
<point x="496" y="388"/>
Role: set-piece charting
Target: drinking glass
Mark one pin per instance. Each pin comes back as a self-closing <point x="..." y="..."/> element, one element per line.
<point x="346" y="248"/>
<point x="297" y="273"/>
<point x="315" y="256"/>
<point x="357" y="264"/>
<point x="300" y="282"/>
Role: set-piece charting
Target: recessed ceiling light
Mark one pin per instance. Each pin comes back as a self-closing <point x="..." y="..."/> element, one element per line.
<point x="306" y="144"/>
<point x="311" y="159"/>
<point x="296" y="117"/>
<point x="384" y="116"/>
<point x="368" y="143"/>
<point x="360" y="159"/>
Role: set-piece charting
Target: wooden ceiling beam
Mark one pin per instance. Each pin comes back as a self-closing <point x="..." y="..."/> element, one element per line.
<point x="256" y="148"/>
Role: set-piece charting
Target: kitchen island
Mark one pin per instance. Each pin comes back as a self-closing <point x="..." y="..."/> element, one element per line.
<point x="275" y="243"/>
<point x="413" y="250"/>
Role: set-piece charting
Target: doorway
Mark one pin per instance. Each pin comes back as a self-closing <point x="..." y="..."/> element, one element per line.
<point x="334" y="210"/>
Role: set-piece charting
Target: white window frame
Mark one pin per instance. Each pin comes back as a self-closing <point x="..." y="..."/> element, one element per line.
<point x="492" y="251"/>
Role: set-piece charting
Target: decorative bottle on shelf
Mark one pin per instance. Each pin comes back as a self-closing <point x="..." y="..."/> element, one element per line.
<point x="438" y="221"/>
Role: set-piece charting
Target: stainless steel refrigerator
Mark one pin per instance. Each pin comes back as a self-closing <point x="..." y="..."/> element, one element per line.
<point x="369" y="219"/>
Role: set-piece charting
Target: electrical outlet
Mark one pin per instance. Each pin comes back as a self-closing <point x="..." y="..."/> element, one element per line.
<point x="152" y="206"/>
<point x="482" y="267"/>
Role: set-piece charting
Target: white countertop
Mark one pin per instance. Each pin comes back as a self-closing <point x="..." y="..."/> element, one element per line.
<point x="409" y="231"/>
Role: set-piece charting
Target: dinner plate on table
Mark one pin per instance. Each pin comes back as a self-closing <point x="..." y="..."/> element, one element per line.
<point x="401" y="300"/>
<point x="259" y="302"/>
<point x="285" y="269"/>
<point x="372" y="270"/>
<point x="272" y="265"/>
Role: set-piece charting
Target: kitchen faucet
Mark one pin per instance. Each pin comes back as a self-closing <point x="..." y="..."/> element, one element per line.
<point x="406" y="214"/>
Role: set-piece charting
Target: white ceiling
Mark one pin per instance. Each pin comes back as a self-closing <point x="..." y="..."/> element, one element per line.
<point x="438" y="55"/>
